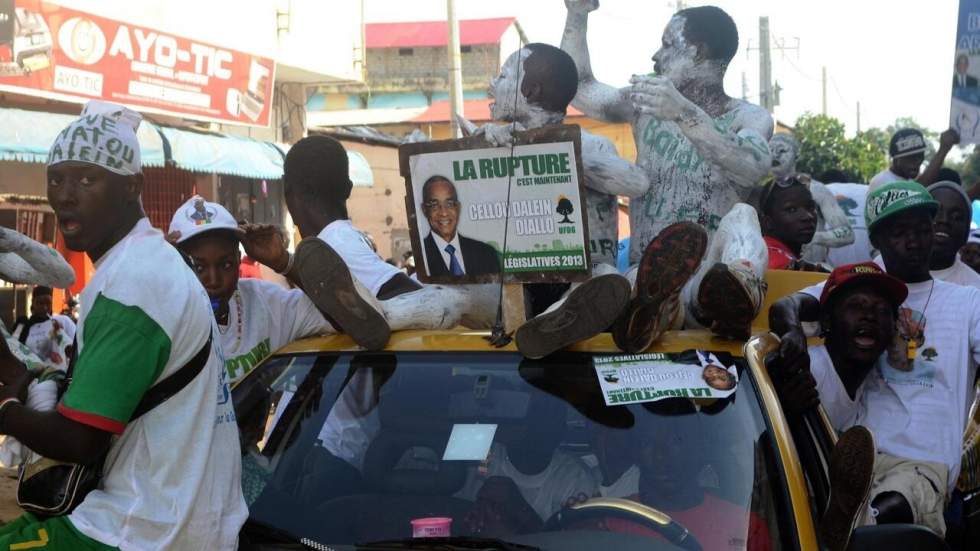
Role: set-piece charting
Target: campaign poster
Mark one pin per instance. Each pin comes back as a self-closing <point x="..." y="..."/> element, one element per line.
<point x="55" y="52"/>
<point x="965" y="108"/>
<point x="478" y="212"/>
<point x="638" y="378"/>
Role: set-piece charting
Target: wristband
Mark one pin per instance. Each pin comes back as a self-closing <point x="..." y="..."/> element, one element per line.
<point x="289" y="264"/>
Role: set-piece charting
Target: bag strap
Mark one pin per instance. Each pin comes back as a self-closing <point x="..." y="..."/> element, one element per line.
<point x="165" y="389"/>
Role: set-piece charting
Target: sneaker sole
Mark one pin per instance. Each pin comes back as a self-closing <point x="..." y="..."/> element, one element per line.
<point x="589" y="310"/>
<point x="851" y="471"/>
<point x="329" y="284"/>
<point x="668" y="263"/>
<point x="725" y="302"/>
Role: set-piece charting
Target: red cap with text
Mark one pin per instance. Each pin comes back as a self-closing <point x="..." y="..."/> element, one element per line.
<point x="865" y="272"/>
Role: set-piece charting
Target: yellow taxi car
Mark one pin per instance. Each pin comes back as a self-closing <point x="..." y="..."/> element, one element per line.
<point x="443" y="435"/>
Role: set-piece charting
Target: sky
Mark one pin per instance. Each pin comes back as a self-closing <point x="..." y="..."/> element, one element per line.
<point x="894" y="57"/>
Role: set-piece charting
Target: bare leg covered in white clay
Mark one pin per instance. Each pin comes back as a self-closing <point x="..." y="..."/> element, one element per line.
<point x="23" y="260"/>
<point x="443" y="307"/>
<point x="737" y="244"/>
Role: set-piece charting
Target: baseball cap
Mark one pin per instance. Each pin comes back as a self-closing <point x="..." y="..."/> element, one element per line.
<point x="104" y="135"/>
<point x="848" y="275"/>
<point x="895" y="197"/>
<point x="905" y="142"/>
<point x="197" y="216"/>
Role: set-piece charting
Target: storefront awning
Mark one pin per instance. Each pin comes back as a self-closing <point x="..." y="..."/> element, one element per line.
<point x="25" y="136"/>
<point x="220" y="154"/>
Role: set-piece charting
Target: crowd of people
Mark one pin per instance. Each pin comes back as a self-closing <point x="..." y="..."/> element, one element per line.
<point x="715" y="201"/>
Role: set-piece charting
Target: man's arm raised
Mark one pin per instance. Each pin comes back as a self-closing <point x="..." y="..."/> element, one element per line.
<point x="595" y="99"/>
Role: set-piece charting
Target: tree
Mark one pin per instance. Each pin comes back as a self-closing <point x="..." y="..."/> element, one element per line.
<point x="564" y="208"/>
<point x="824" y="146"/>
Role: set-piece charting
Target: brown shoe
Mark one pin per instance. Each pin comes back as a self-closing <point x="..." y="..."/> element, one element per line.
<point x="851" y="470"/>
<point x="329" y="284"/>
<point x="729" y="299"/>
<point x="668" y="262"/>
<point x="589" y="310"/>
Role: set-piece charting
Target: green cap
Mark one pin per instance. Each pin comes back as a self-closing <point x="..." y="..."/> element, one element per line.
<point x="895" y="197"/>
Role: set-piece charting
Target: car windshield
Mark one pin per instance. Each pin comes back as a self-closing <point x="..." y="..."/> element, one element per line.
<point x="351" y="448"/>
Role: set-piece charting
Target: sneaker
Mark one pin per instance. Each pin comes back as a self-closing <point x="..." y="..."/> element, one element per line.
<point x="851" y="470"/>
<point x="729" y="298"/>
<point x="668" y="262"/>
<point x="589" y="310"/>
<point x="329" y="284"/>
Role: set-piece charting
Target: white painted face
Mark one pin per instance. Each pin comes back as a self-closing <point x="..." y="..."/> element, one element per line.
<point x="784" y="151"/>
<point x="508" y="103"/>
<point x="677" y="58"/>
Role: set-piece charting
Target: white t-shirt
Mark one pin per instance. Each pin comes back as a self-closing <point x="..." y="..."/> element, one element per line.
<point x="840" y="408"/>
<point x="173" y="476"/>
<point x="50" y="344"/>
<point x="920" y="412"/>
<point x="272" y="317"/>
<point x="364" y="264"/>
<point x="884" y="177"/>
<point x="353" y="421"/>
<point x="957" y="274"/>
<point x="546" y="492"/>
<point x="852" y="199"/>
<point x="626" y="485"/>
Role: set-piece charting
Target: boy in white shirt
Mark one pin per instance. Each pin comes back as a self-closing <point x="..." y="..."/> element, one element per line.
<point x="255" y="317"/>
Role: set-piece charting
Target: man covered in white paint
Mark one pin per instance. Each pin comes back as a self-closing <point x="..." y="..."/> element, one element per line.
<point x="533" y="90"/>
<point x="833" y="228"/>
<point x="703" y="152"/>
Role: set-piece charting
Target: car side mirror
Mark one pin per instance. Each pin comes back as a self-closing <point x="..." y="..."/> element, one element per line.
<point x="896" y="537"/>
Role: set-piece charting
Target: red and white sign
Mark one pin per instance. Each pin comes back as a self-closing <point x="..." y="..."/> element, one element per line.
<point x="60" y="53"/>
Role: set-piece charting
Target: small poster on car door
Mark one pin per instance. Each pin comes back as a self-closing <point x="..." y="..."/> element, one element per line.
<point x="639" y="378"/>
<point x="478" y="213"/>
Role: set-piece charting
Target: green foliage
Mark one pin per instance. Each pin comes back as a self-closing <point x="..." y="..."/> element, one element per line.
<point x="824" y="146"/>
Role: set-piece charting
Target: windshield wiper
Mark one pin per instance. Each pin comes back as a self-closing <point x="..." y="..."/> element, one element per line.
<point x="449" y="544"/>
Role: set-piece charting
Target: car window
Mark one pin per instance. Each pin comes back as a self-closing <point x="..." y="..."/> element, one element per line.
<point x="343" y="448"/>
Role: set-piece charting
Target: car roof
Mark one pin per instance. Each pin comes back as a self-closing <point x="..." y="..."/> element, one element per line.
<point x="462" y="340"/>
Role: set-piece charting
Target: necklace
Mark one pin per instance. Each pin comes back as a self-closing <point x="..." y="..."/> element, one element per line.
<point x="912" y="342"/>
<point x="238" y="321"/>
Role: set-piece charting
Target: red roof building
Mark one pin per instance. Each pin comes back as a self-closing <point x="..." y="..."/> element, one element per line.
<point x="435" y="34"/>
<point x="476" y="110"/>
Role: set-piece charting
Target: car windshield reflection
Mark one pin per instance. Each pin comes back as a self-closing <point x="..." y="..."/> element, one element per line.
<point x="352" y="448"/>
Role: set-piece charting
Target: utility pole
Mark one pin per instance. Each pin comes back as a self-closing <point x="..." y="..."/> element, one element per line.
<point x="745" y="88"/>
<point x="859" y="117"/>
<point x="823" y="90"/>
<point x="765" y="66"/>
<point x="455" y="70"/>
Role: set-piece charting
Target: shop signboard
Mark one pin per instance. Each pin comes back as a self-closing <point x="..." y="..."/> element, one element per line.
<point x="55" y="52"/>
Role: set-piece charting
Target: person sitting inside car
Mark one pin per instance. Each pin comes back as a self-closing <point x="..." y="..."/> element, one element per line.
<point x="616" y="467"/>
<point x="671" y="458"/>
<point x="529" y="479"/>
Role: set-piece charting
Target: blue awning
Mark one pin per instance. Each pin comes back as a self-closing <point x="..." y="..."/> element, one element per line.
<point x="26" y="136"/>
<point x="221" y="154"/>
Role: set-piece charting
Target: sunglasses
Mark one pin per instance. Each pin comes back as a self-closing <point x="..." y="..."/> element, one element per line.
<point x="782" y="183"/>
